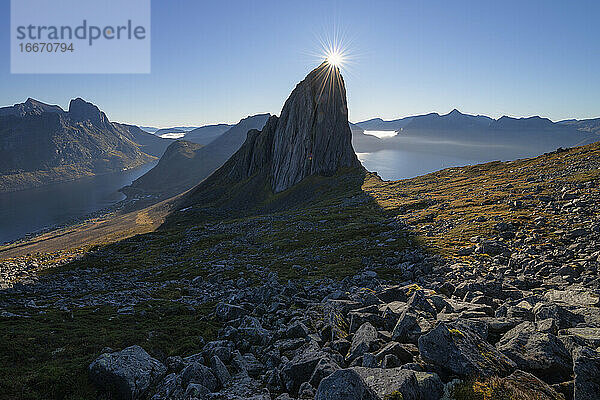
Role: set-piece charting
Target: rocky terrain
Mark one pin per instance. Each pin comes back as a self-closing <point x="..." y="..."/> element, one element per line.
<point x="42" y="144"/>
<point x="478" y="282"/>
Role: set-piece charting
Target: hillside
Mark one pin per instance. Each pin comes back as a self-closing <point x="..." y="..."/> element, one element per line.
<point x="42" y="144"/>
<point x="160" y="182"/>
<point x="206" y="134"/>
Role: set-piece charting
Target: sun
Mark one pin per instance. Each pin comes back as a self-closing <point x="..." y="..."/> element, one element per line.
<point x="335" y="58"/>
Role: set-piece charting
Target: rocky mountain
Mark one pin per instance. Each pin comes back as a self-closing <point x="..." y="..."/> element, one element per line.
<point x="206" y="134"/>
<point x="41" y="144"/>
<point x="200" y="163"/>
<point x="312" y="137"/>
<point x="474" y="136"/>
<point x="585" y="125"/>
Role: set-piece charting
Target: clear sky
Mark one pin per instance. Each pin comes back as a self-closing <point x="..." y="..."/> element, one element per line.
<point x="219" y="61"/>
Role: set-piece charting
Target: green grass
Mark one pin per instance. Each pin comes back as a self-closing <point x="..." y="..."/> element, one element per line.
<point x="46" y="356"/>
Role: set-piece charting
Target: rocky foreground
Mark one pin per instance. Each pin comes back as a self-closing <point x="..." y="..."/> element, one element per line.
<point x="425" y="313"/>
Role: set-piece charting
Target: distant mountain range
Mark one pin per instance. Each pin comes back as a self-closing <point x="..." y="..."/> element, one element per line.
<point x="42" y="144"/>
<point x="186" y="163"/>
<point x="474" y="136"/>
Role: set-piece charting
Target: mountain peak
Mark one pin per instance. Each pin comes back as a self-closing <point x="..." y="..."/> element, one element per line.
<point x="30" y="107"/>
<point x="311" y="137"/>
<point x="312" y="134"/>
<point x="81" y="110"/>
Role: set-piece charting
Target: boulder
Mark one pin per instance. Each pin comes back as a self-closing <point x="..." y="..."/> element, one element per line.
<point x="201" y="374"/>
<point x="521" y="384"/>
<point x="345" y="384"/>
<point x="586" y="366"/>
<point x="126" y="374"/>
<point x="228" y="312"/>
<point x="542" y="354"/>
<point x="463" y="352"/>
<point x="300" y="368"/>
<point x="388" y="382"/>
<point x="219" y="370"/>
<point x="363" y="341"/>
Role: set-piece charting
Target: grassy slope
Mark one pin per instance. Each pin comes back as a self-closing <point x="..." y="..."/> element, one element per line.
<point x="330" y="232"/>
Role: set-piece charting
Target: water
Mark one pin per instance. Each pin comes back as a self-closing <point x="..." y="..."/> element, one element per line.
<point x="398" y="164"/>
<point x="31" y="210"/>
<point x="381" y="134"/>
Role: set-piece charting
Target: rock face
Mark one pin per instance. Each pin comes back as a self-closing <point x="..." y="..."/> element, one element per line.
<point x="313" y="135"/>
<point x="345" y="384"/>
<point x="126" y="374"/>
<point x="542" y="353"/>
<point x="462" y="352"/>
<point x="42" y="144"/>
<point x="586" y="367"/>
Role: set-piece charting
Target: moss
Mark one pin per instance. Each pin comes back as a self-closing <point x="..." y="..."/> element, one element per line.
<point x="395" y="395"/>
<point x="46" y="356"/>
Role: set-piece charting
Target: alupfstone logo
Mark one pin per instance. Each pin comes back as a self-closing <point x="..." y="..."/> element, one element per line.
<point x="80" y="36"/>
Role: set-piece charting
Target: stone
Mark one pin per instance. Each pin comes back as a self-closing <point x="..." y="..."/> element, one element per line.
<point x="399" y="351"/>
<point x="312" y="134"/>
<point x="169" y="388"/>
<point x="300" y="368"/>
<point x="219" y="370"/>
<point x="363" y="341"/>
<point x="324" y="368"/>
<point x="387" y="382"/>
<point x="463" y="352"/>
<point x="228" y="312"/>
<point x="586" y="367"/>
<point x="126" y="374"/>
<point x="296" y="330"/>
<point x="345" y="384"/>
<point x="523" y="383"/>
<point x="430" y="385"/>
<point x="196" y="390"/>
<point x="542" y="354"/>
<point x="198" y="373"/>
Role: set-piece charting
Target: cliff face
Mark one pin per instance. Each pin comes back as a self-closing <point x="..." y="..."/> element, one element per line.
<point x="41" y="144"/>
<point x="312" y="135"/>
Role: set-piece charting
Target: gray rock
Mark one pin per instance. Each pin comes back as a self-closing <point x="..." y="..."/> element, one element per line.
<point x="542" y="354"/>
<point x="324" y="368"/>
<point x="219" y="348"/>
<point x="345" y="384"/>
<point x="296" y="330"/>
<point x="196" y="390"/>
<point x="219" y="370"/>
<point x="363" y="341"/>
<point x="312" y="134"/>
<point x="126" y="374"/>
<point x="387" y="382"/>
<point x="407" y="329"/>
<point x="521" y="383"/>
<point x="586" y="366"/>
<point x="394" y="348"/>
<point x="463" y="352"/>
<point x="430" y="385"/>
<point x="170" y="388"/>
<point x="198" y="373"/>
<point x="228" y="312"/>
<point x="300" y="368"/>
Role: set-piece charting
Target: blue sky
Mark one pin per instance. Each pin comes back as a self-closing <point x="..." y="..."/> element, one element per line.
<point x="221" y="61"/>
